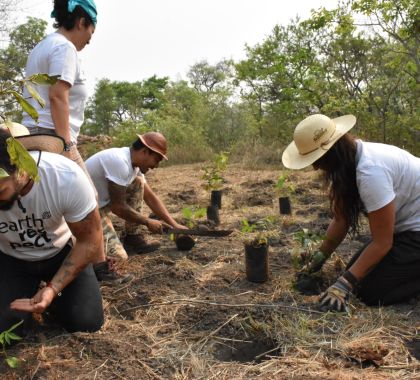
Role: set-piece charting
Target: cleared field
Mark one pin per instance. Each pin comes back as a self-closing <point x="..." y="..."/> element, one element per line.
<point x="193" y="315"/>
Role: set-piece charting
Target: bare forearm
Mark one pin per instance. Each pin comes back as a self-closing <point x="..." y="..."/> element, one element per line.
<point x="129" y="214"/>
<point x="335" y="234"/>
<point x="157" y="206"/>
<point x="80" y="256"/>
<point x="368" y="259"/>
<point x="61" y="116"/>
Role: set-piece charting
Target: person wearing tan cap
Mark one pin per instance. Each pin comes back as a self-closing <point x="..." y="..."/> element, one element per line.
<point x="378" y="180"/>
<point x="119" y="178"/>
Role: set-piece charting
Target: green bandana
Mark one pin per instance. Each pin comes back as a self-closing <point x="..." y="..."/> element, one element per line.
<point x="88" y="6"/>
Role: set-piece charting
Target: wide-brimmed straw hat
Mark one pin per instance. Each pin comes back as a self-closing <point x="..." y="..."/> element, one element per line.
<point x="313" y="137"/>
<point x="155" y="141"/>
<point x="43" y="142"/>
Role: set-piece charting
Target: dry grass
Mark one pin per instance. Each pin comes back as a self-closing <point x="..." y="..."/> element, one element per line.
<point x="184" y="312"/>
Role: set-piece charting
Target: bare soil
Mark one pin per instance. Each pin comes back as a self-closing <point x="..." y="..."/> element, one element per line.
<point x="193" y="315"/>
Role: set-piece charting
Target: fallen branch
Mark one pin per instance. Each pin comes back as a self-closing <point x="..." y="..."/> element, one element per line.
<point x="210" y="303"/>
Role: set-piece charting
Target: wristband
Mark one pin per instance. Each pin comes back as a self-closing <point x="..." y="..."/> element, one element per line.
<point x="350" y="278"/>
<point x="67" y="146"/>
<point x="55" y="290"/>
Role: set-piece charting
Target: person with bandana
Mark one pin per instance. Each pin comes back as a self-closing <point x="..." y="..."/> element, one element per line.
<point x="57" y="54"/>
<point x="63" y="113"/>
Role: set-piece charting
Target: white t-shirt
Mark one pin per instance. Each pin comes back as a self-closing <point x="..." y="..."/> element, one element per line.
<point x="56" y="55"/>
<point x="111" y="165"/>
<point x="37" y="230"/>
<point x="385" y="173"/>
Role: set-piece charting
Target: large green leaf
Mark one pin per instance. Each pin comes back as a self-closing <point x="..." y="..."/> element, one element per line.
<point x="27" y="107"/>
<point x="20" y="157"/>
<point x="3" y="173"/>
<point x="43" y="79"/>
<point x="35" y="94"/>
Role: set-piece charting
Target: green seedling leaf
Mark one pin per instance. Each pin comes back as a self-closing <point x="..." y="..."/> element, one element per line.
<point x="200" y="213"/>
<point x="35" y="94"/>
<point x="14" y="326"/>
<point x="20" y="157"/>
<point x="3" y="173"/>
<point x="187" y="213"/>
<point x="12" y="362"/>
<point x="26" y="106"/>
<point x="43" y="79"/>
<point x="13" y="336"/>
<point x="280" y="182"/>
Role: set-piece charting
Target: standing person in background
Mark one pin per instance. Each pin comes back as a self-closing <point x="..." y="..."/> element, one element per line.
<point x="63" y="114"/>
<point x="379" y="180"/>
<point x="57" y="54"/>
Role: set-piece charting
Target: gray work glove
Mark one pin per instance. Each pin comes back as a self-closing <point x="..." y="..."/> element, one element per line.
<point x="336" y="297"/>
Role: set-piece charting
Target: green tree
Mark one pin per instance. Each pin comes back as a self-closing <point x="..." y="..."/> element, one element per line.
<point x="116" y="102"/>
<point x="13" y="60"/>
<point x="23" y="39"/>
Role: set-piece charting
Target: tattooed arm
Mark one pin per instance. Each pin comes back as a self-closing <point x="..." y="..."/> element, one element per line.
<point x="88" y="234"/>
<point x="120" y="208"/>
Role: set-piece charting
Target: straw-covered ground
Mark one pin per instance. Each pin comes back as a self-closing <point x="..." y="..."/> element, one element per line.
<point x="193" y="315"/>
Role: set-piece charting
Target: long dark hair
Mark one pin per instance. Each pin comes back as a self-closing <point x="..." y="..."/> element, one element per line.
<point x="339" y="173"/>
<point x="66" y="19"/>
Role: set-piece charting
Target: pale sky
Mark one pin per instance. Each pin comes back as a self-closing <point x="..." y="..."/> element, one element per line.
<point x="135" y="40"/>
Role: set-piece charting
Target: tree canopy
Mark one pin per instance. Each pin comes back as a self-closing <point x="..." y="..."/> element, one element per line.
<point x="362" y="57"/>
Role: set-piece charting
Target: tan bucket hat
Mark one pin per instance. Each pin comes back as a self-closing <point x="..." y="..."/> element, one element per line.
<point x="313" y="137"/>
<point x="43" y="142"/>
<point x="155" y="141"/>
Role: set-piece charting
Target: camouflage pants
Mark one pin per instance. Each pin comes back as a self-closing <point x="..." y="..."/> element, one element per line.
<point x="113" y="246"/>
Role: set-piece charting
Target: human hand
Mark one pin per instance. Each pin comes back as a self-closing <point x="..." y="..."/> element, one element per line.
<point x="336" y="297"/>
<point x="154" y="226"/>
<point x="180" y="226"/>
<point x="37" y="304"/>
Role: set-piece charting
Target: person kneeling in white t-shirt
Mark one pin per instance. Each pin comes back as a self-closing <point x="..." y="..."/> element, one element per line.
<point x="378" y="180"/>
<point x="118" y="176"/>
<point x="37" y="221"/>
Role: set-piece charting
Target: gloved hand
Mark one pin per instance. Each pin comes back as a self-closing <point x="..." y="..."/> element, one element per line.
<point x="336" y="297"/>
<point x="316" y="262"/>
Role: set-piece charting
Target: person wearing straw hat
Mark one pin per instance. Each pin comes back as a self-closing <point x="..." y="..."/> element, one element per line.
<point x="119" y="177"/>
<point x="378" y="180"/>
<point x="40" y="265"/>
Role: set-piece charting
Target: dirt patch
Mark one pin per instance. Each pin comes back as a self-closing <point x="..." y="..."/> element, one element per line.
<point x="193" y="315"/>
<point x="187" y="197"/>
<point x="413" y="347"/>
<point x="254" y="350"/>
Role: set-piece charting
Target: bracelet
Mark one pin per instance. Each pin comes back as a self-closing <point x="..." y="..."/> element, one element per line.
<point x="55" y="290"/>
<point x="67" y="146"/>
<point x="350" y="278"/>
